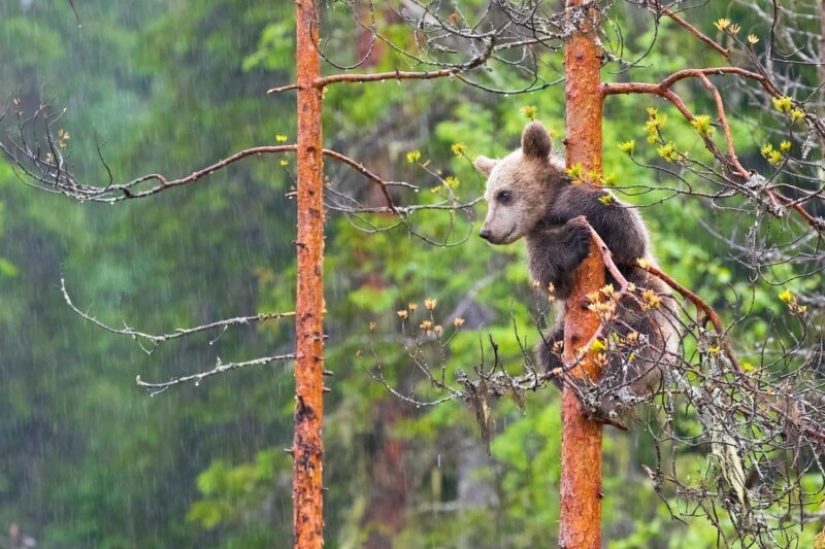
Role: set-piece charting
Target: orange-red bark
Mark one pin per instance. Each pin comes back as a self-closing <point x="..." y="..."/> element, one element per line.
<point x="581" y="467"/>
<point x="308" y="450"/>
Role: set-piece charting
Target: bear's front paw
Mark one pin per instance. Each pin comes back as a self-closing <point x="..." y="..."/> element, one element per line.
<point x="577" y="240"/>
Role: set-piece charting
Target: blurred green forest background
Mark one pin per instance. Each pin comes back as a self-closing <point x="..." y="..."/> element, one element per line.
<point x="87" y="459"/>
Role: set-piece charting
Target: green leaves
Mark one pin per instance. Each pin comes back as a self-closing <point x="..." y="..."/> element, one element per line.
<point x="277" y="43"/>
<point x="227" y="491"/>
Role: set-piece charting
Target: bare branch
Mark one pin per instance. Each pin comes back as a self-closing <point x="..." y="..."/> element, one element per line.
<point x="220" y="368"/>
<point x="157" y="339"/>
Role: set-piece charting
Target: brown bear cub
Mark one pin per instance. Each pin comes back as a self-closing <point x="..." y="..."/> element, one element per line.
<point x="529" y="195"/>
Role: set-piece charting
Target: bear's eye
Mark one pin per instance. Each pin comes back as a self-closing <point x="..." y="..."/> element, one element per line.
<point x="504" y="197"/>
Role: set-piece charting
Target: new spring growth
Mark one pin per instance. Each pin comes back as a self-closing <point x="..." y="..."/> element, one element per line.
<point x="575" y="171"/>
<point x="413" y="156"/>
<point x="772" y="155"/>
<point x="598" y="345"/>
<point x="426" y="325"/>
<point x="651" y="300"/>
<point x="654" y="125"/>
<point x="599" y="360"/>
<point x="430" y="303"/>
<point x="529" y="111"/>
<point x="669" y="153"/>
<point x="603" y="303"/>
<point x="280" y="138"/>
<point x="62" y="138"/>
<point x="793" y="304"/>
<point x="702" y="125"/>
<point x="782" y="104"/>
<point x="722" y="24"/>
<point x="593" y="176"/>
<point x="458" y="149"/>
<point x="627" y="147"/>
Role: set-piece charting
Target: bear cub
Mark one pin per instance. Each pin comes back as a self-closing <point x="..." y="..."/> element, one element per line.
<point x="529" y="195"/>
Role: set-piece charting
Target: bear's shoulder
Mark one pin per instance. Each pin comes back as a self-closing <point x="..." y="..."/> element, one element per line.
<point x="572" y="200"/>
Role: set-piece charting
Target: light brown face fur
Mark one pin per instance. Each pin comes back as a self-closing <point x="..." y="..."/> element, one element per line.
<point x="519" y="186"/>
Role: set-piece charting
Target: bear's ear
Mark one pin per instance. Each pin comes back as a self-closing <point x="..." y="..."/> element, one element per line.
<point x="535" y="141"/>
<point x="485" y="165"/>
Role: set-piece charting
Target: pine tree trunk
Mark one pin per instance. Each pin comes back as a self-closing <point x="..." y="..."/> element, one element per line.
<point x="307" y="471"/>
<point x="581" y="468"/>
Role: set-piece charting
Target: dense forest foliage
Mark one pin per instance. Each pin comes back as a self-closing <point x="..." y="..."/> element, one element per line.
<point x="88" y="459"/>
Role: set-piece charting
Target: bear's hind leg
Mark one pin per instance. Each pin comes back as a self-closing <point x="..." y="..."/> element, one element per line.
<point x="549" y="351"/>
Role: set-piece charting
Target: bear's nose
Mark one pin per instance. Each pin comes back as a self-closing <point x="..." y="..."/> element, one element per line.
<point x="484" y="233"/>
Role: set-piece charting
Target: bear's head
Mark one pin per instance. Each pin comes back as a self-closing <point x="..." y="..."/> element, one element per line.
<point x="520" y="186"/>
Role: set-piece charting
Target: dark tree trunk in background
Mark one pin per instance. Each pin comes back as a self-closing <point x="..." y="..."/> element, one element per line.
<point x="385" y="515"/>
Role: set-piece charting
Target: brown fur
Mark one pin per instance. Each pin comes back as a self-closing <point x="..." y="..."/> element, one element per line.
<point x="529" y="195"/>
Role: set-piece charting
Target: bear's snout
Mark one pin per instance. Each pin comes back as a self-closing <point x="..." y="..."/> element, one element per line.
<point x="484" y="233"/>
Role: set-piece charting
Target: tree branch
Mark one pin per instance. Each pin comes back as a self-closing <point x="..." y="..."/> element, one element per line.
<point x="49" y="172"/>
<point x="220" y="367"/>
<point x="658" y="8"/>
<point x="157" y="339"/>
<point x="662" y="89"/>
<point x="615" y="88"/>
<point x="322" y="82"/>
